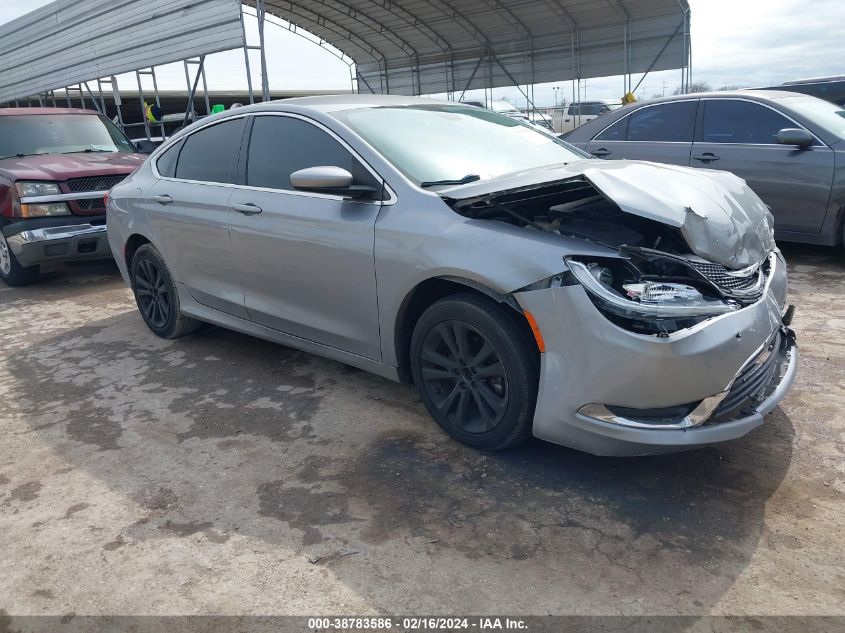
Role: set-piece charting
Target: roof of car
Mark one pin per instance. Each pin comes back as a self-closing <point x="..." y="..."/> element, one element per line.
<point x="814" y="80"/>
<point x="44" y="111"/>
<point x="334" y="103"/>
<point x="758" y="95"/>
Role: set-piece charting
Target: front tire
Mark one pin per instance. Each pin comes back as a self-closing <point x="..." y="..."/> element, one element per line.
<point x="157" y="297"/>
<point x="11" y="272"/>
<point x="476" y="371"/>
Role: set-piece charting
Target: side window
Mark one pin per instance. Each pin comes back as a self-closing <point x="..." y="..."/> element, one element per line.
<point x="210" y="155"/>
<point x="281" y="145"/>
<point x="733" y="121"/>
<point x="166" y="163"/>
<point x="616" y="132"/>
<point x="668" y="122"/>
<point x="572" y="109"/>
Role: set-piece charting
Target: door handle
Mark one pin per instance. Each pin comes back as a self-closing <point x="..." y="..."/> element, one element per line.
<point x="247" y="209"/>
<point x="707" y="157"/>
<point x="165" y="199"/>
<point x="600" y="152"/>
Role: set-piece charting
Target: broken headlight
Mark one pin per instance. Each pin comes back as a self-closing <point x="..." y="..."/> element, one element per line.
<point x="666" y="303"/>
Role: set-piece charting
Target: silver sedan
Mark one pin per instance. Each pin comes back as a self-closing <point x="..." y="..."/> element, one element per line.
<point x="620" y="308"/>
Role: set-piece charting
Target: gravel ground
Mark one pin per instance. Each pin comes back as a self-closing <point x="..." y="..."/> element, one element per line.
<point x="223" y="474"/>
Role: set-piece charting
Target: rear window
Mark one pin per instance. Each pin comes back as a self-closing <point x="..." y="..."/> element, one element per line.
<point x="166" y="163"/>
<point x="668" y="122"/>
<point x="616" y="132"/>
<point x="210" y="155"/>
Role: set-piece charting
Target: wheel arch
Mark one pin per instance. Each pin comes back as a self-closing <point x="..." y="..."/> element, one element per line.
<point x="430" y="290"/>
<point x="131" y="246"/>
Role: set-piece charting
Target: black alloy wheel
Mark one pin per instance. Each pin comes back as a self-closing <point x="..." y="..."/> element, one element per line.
<point x="156" y="295"/>
<point x="153" y="297"/>
<point x="477" y="370"/>
<point x="464" y="376"/>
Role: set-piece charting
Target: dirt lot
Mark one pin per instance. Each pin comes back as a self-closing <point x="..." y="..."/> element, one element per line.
<point x="223" y="474"/>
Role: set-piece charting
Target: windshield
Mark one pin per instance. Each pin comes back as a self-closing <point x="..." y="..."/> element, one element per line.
<point x="828" y="116"/>
<point x="448" y="143"/>
<point x="25" y="135"/>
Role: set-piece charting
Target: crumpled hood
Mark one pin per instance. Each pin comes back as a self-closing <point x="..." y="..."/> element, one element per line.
<point x="719" y="216"/>
<point x="58" y="167"/>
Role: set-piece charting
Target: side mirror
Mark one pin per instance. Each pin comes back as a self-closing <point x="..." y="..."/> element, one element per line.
<point x="329" y="179"/>
<point x="145" y="146"/>
<point x="796" y="136"/>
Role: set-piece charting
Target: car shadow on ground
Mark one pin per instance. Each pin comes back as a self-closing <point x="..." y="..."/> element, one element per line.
<point x="220" y="434"/>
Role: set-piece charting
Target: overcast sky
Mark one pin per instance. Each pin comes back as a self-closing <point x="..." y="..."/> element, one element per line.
<point x="734" y="42"/>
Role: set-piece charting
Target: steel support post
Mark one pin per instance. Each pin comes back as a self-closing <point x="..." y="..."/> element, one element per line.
<point x="265" y="82"/>
<point x="246" y="60"/>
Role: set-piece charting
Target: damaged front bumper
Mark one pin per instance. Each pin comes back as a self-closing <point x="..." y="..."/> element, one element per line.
<point x="609" y="391"/>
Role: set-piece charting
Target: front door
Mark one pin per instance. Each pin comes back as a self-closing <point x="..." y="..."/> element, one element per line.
<point x="306" y="259"/>
<point x="741" y="137"/>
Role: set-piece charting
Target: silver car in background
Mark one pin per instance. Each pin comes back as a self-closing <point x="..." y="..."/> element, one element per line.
<point x="788" y="147"/>
<point x="621" y="308"/>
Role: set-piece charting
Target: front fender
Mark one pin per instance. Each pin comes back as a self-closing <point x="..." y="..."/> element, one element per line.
<point x="414" y="245"/>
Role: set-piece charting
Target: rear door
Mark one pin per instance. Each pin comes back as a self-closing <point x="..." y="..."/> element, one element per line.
<point x="662" y="132"/>
<point x="741" y="137"/>
<point x="188" y="208"/>
<point x="306" y="259"/>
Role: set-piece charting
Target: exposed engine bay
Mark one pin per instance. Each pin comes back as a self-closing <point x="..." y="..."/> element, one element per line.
<point x="655" y="285"/>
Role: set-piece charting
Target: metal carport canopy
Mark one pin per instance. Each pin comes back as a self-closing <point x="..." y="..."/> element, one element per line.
<point x="444" y="46"/>
<point x="71" y="41"/>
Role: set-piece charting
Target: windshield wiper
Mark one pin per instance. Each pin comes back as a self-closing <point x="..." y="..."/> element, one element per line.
<point x="466" y="179"/>
<point x="24" y="155"/>
<point x="90" y="150"/>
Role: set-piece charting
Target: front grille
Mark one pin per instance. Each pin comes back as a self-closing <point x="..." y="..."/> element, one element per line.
<point x="91" y="206"/>
<point x="718" y="274"/>
<point x="94" y="183"/>
<point x="752" y="383"/>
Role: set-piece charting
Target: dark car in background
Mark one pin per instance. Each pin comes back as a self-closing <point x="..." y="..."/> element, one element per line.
<point x="828" y="88"/>
<point x="789" y="147"/>
<point x="56" y="165"/>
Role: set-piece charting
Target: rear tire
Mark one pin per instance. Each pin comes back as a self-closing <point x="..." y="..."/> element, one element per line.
<point x="157" y="297"/>
<point x="11" y="272"/>
<point x="476" y="372"/>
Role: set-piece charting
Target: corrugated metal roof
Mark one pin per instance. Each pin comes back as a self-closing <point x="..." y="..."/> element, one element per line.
<point x="433" y="46"/>
<point x="399" y="46"/>
<point x="71" y="41"/>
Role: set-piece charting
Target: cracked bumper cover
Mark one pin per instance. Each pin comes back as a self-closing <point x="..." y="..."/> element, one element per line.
<point x="590" y="361"/>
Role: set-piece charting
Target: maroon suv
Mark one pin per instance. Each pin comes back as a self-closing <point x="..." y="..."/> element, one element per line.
<point x="56" y="165"/>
